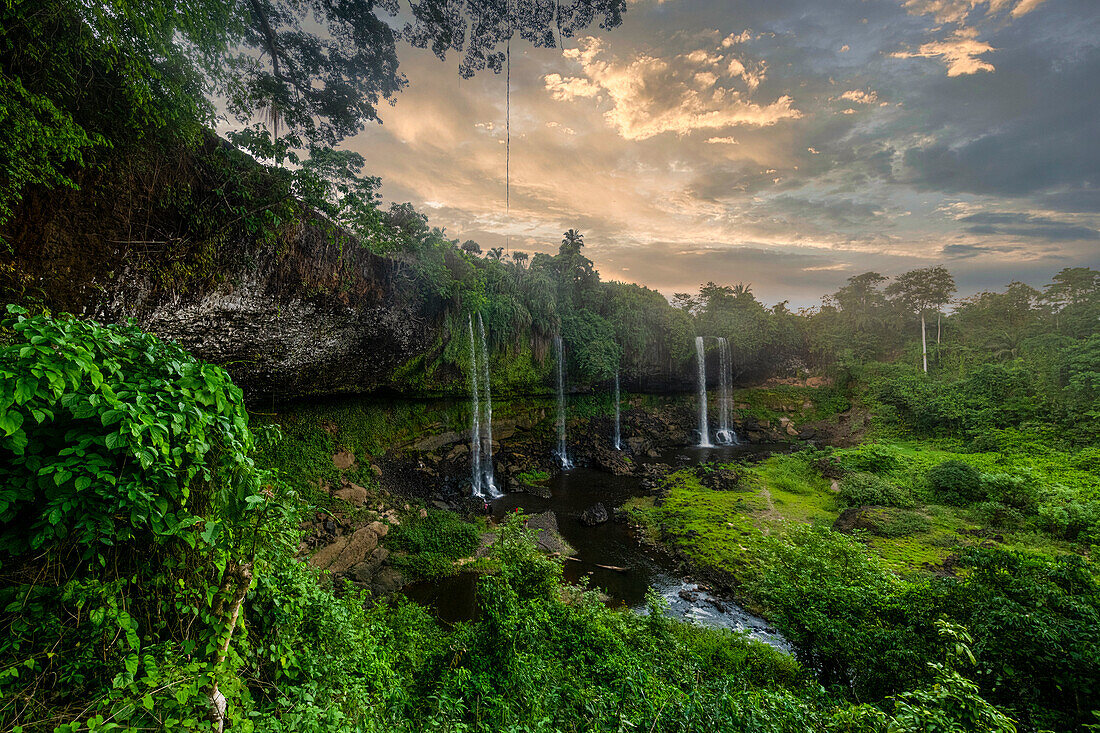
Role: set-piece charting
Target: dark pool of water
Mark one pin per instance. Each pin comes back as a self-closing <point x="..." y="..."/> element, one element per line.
<point x="613" y="544"/>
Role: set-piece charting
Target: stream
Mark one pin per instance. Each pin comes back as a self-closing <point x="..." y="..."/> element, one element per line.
<point x="612" y="543"/>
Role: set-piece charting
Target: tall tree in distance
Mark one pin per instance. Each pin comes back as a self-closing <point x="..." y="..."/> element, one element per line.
<point x="920" y="291"/>
<point x="571" y="242"/>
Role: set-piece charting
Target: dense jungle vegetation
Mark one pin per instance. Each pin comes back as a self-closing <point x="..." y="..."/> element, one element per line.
<point x="150" y="576"/>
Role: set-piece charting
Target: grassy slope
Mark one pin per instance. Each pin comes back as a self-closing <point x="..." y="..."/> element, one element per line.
<point x="718" y="529"/>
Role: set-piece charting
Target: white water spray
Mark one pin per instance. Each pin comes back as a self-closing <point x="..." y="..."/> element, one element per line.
<point x="704" y="430"/>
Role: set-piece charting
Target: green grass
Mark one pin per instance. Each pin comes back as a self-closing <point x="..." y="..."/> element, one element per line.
<point x="428" y="547"/>
<point x="718" y="530"/>
<point x="534" y="476"/>
<point x="801" y="404"/>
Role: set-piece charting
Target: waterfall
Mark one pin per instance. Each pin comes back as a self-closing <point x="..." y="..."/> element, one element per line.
<point x="563" y="453"/>
<point x="618" y="431"/>
<point x="725" y="434"/>
<point x="475" y="418"/>
<point x="704" y="430"/>
<point x="487" y="480"/>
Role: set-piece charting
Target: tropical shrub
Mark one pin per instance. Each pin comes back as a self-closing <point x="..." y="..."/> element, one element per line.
<point x="857" y="489"/>
<point x="955" y="482"/>
<point x="433" y="543"/>
<point x="131" y="516"/>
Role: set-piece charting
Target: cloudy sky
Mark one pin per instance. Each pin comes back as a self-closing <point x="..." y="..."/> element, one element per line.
<point x="787" y="143"/>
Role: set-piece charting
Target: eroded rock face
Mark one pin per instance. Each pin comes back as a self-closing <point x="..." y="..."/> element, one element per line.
<point x="312" y="314"/>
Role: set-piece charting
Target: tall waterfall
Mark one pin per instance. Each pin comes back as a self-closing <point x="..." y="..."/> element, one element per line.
<point x="618" y="431"/>
<point x="563" y="453"/>
<point x="725" y="434"/>
<point x="704" y="430"/>
<point x="475" y="418"/>
<point x="488" y="482"/>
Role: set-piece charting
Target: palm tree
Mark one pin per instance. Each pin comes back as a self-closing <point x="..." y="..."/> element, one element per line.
<point x="573" y="239"/>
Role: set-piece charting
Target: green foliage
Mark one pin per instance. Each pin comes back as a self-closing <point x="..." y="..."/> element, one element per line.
<point x="871" y="458"/>
<point x="534" y="476"/>
<point x="132" y="517"/>
<point x="111" y="435"/>
<point x="952" y="702"/>
<point x="830" y="600"/>
<point x="955" y="482"/>
<point x="37" y="142"/>
<point x="433" y="543"/>
<point x="867" y="488"/>
<point x="1034" y="621"/>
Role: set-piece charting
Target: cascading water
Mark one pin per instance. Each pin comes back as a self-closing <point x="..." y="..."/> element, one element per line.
<point x="725" y="434"/>
<point x="563" y="453"/>
<point x="487" y="480"/>
<point x="475" y="419"/>
<point x="704" y="430"/>
<point x="618" y="431"/>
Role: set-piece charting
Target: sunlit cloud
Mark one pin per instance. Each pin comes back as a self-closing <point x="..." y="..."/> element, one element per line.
<point x="648" y="95"/>
<point x="960" y="52"/>
<point x="860" y="96"/>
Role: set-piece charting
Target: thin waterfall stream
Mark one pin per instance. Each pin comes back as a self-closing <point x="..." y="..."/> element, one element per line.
<point x="475" y="418"/>
<point x="704" y="429"/>
<point x="618" y="442"/>
<point x="488" y="481"/>
<point x="725" y="434"/>
<point x="563" y="452"/>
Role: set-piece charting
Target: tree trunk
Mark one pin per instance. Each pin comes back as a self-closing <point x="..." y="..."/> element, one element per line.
<point x="235" y="583"/>
<point x="938" y="330"/>
<point x="923" y="342"/>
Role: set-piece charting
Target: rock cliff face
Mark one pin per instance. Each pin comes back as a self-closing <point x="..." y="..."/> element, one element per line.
<point x="310" y="315"/>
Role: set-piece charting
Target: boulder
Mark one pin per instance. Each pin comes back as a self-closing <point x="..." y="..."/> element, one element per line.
<point x="386" y="581"/>
<point x="718" y="479"/>
<point x="613" y="461"/>
<point x="596" y="514"/>
<point x="435" y="442"/>
<point x="347" y="551"/>
<point x="549" y="539"/>
<point x="343" y="460"/>
<point x="353" y="494"/>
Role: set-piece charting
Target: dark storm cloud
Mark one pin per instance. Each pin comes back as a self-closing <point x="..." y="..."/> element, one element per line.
<point x="1018" y="224"/>
<point x="1030" y="126"/>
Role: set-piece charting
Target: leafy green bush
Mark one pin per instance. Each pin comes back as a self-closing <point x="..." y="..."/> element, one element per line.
<point x="131" y="520"/>
<point x="899" y="523"/>
<point x="955" y="482"/>
<point x="857" y="489"/>
<point x="1017" y="491"/>
<point x="996" y="514"/>
<point x="1067" y="515"/>
<point x="871" y="457"/>
<point x="433" y="543"/>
